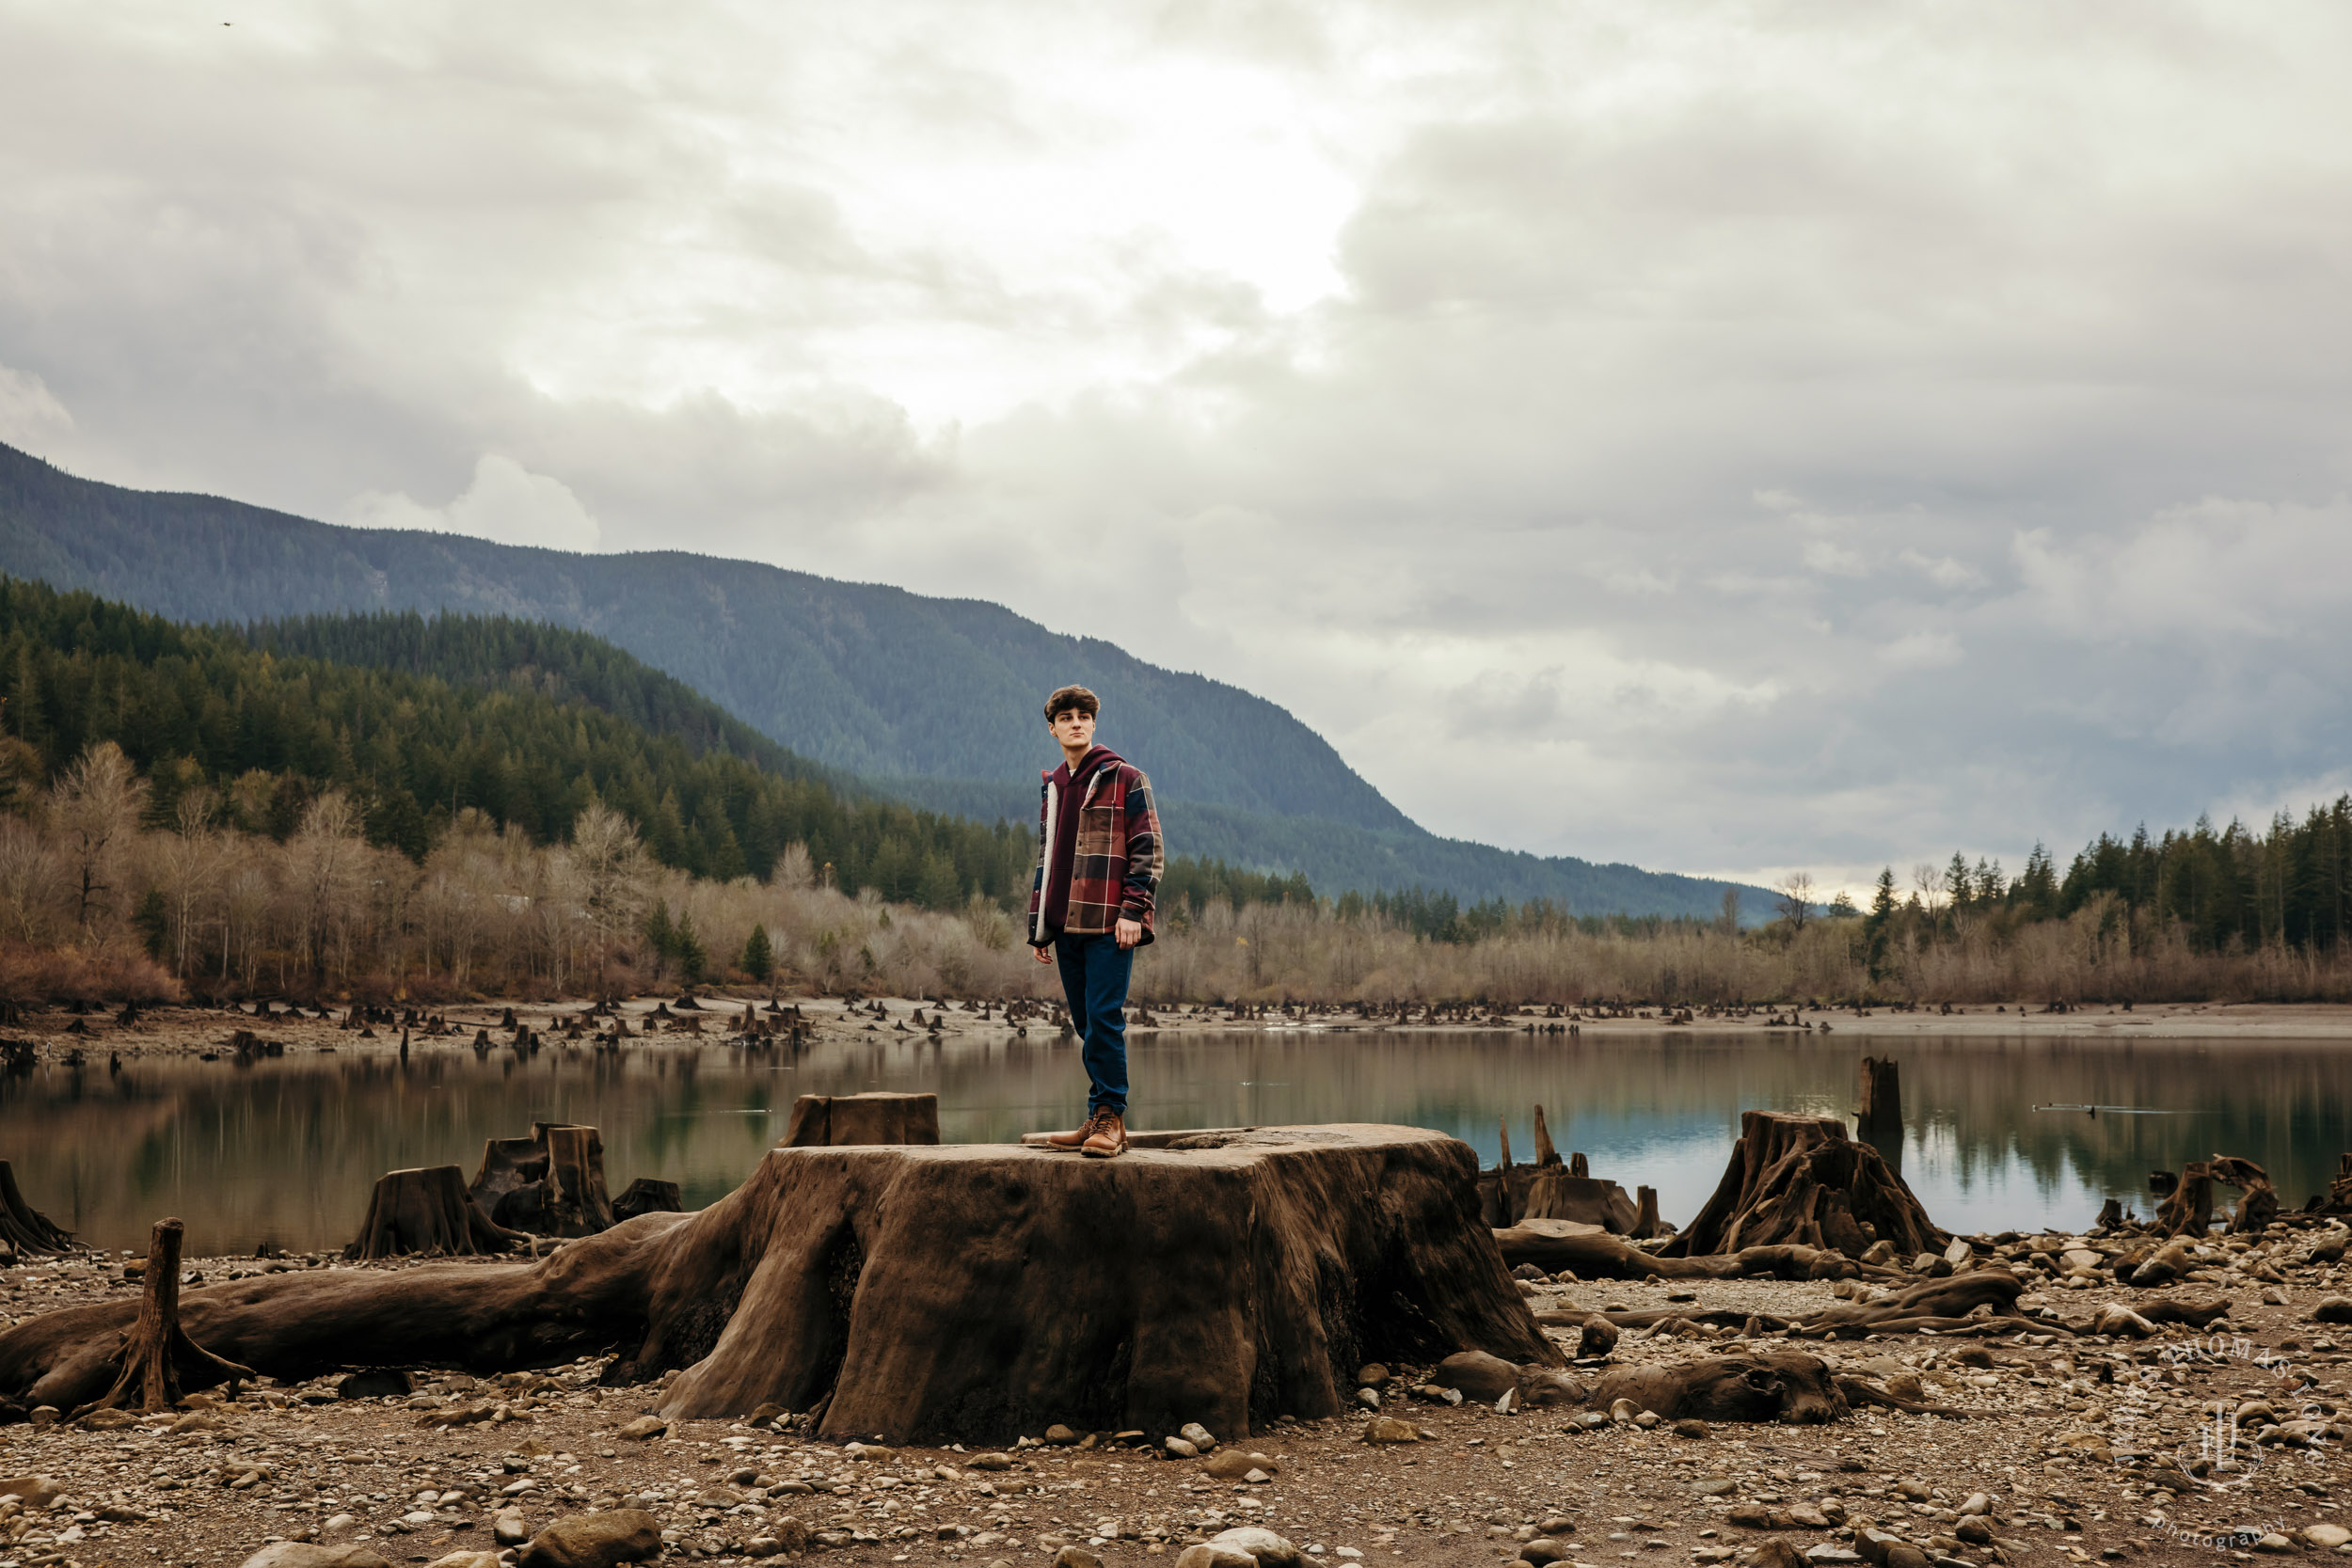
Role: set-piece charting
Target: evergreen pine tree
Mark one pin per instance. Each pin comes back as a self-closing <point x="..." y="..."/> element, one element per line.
<point x="660" y="935"/>
<point x="759" y="960"/>
<point x="688" y="948"/>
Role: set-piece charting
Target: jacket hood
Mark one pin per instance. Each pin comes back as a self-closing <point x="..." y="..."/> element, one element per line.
<point x="1100" y="756"/>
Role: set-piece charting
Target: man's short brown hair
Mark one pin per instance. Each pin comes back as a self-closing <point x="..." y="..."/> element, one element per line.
<point x="1068" y="697"/>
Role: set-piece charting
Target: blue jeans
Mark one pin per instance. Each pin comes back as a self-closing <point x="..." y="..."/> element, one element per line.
<point x="1094" y="971"/>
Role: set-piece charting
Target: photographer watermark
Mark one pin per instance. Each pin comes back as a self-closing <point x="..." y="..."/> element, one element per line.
<point x="2227" y="1449"/>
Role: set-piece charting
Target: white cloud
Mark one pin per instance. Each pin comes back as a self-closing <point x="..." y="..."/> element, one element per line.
<point x="1743" y="443"/>
<point x="31" y="418"/>
<point x="506" y="504"/>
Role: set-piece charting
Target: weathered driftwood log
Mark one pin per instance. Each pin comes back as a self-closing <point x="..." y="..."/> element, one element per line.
<point x="1933" y="1302"/>
<point x="1780" y="1386"/>
<point x="426" y="1211"/>
<point x="2258" y="1201"/>
<point x="550" y="1183"/>
<point x="647" y="1196"/>
<point x="25" y="1230"/>
<point x="846" y="1120"/>
<point x="1589" y="1252"/>
<point x="973" y="1292"/>
<point x="157" y="1362"/>
<point x="2188" y="1209"/>
<point x="1800" y="1181"/>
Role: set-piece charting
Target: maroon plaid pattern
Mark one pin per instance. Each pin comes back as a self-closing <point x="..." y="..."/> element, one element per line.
<point x="1115" y="870"/>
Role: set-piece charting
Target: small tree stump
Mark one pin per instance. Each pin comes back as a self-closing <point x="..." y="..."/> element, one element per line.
<point x="1878" y="1111"/>
<point x="159" y="1362"/>
<point x="2258" y="1199"/>
<point x="2189" y="1208"/>
<point x="1646" y="1223"/>
<point x="846" y="1120"/>
<point x="1800" y="1180"/>
<point x="550" y="1183"/>
<point x="24" y="1229"/>
<point x="426" y="1211"/>
<point x="1554" y="1195"/>
<point x="647" y="1196"/>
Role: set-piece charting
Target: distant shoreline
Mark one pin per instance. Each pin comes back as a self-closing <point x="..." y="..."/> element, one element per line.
<point x="182" y="1030"/>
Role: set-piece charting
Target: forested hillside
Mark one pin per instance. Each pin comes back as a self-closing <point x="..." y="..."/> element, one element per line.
<point x="930" y="701"/>
<point x="872" y="680"/>
<point x="196" y="705"/>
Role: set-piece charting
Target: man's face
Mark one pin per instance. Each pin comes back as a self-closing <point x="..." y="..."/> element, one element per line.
<point x="1074" y="728"/>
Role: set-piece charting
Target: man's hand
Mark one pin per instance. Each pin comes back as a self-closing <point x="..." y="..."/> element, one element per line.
<point x="1044" y="955"/>
<point x="1127" y="932"/>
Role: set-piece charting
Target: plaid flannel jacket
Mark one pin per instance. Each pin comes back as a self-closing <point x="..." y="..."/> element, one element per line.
<point x="1115" y="868"/>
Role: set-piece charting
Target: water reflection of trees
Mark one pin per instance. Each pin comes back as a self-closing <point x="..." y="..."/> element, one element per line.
<point x="287" y="1150"/>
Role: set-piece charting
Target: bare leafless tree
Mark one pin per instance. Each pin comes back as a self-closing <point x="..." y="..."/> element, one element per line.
<point x="1796" y="901"/>
<point x="96" y="806"/>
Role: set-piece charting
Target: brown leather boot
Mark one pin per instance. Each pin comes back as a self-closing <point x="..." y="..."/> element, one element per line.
<point x="1109" y="1137"/>
<point x="1077" y="1135"/>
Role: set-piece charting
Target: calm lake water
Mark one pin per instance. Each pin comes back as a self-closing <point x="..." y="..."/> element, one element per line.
<point x="285" y="1150"/>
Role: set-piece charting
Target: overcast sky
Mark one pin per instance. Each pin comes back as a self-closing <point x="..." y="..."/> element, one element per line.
<point x="1727" y="438"/>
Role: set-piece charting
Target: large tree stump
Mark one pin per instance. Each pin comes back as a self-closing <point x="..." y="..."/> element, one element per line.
<point x="1800" y="1180"/>
<point x="158" y="1362"/>
<point x="971" y="1291"/>
<point x="2188" y="1209"/>
<point x="839" y="1121"/>
<point x="24" y="1229"/>
<point x="426" y="1211"/>
<point x="550" y="1183"/>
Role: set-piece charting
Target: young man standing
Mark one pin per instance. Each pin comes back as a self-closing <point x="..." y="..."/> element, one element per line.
<point x="1098" y="867"/>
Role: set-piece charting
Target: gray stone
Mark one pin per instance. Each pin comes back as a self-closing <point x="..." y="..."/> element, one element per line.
<point x="645" y="1429"/>
<point x="508" y="1528"/>
<point x="1060" y="1436"/>
<point x="1265" y="1549"/>
<point x="1542" y="1551"/>
<point x="595" y="1540"/>
<point x="376" y="1383"/>
<point x="299" y="1554"/>
<point x="1476" y="1376"/>
<point x="1197" y="1435"/>
<point x="1212" y="1556"/>
<point x="1076" y="1556"/>
<point x="36" y="1491"/>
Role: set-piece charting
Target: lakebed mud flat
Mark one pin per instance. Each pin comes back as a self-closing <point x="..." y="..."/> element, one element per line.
<point x="99" y="1037"/>
<point x="2078" y="1447"/>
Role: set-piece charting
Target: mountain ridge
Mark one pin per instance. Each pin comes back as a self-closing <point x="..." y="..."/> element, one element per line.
<point x="900" y="689"/>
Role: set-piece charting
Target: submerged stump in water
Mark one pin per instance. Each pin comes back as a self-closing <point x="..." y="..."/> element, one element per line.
<point x="964" y="1291"/>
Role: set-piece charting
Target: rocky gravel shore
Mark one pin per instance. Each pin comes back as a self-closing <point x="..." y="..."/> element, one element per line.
<point x="2182" y="1444"/>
